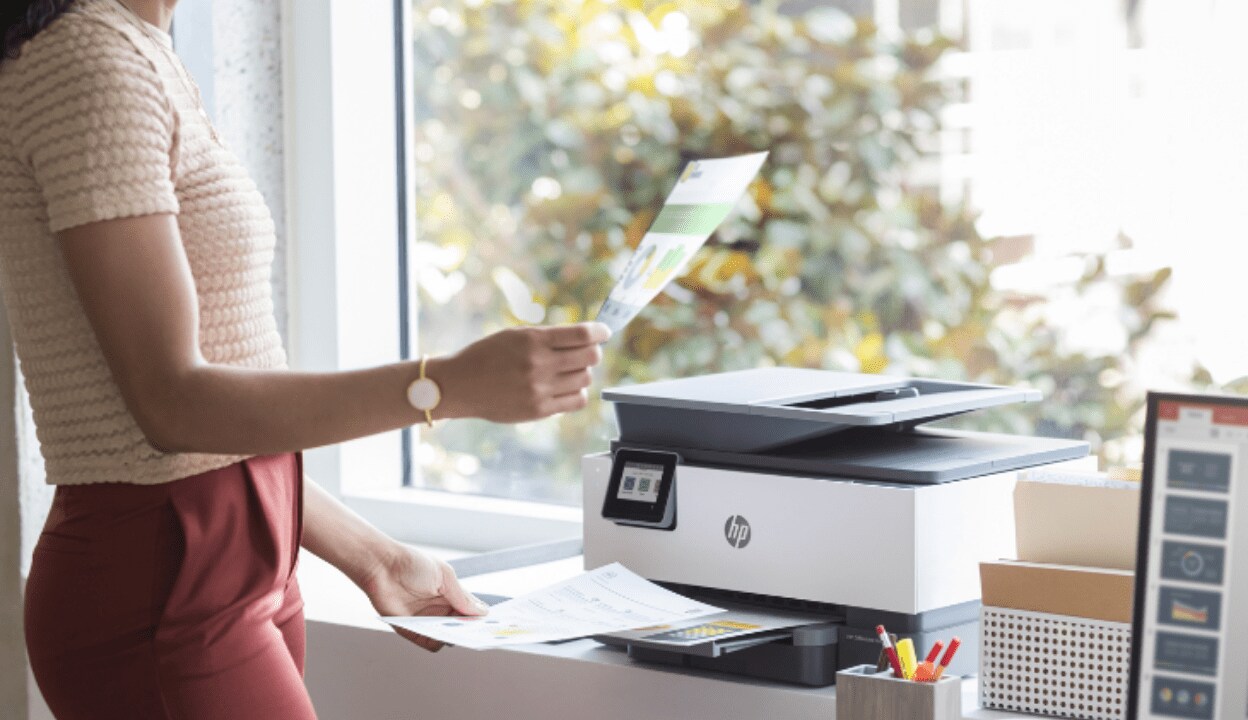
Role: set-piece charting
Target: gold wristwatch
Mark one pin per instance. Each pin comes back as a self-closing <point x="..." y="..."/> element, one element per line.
<point x="424" y="394"/>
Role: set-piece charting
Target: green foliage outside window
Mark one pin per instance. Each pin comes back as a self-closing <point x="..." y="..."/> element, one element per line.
<point x="548" y="133"/>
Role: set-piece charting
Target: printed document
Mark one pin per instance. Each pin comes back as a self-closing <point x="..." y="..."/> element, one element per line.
<point x="728" y="625"/>
<point x="704" y="195"/>
<point x="609" y="599"/>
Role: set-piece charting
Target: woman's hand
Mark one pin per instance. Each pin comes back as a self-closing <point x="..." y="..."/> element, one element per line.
<point x="520" y="374"/>
<point x="412" y="582"/>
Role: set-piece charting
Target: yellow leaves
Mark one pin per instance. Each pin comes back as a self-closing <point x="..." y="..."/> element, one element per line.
<point x="617" y="115"/>
<point x="660" y="11"/>
<point x="870" y="353"/>
<point x="808" y="352"/>
<point x="567" y="24"/>
<point x="643" y="84"/>
<point x="958" y="341"/>
<point x="643" y="345"/>
<point x="966" y="344"/>
<point x="727" y="265"/>
<point x="571" y="313"/>
<point x="636" y="228"/>
<point x="571" y="209"/>
<point x="721" y="271"/>
<point x="869" y="348"/>
<point x="686" y="114"/>
<point x="762" y="192"/>
<point x="836" y="314"/>
<point x="442" y="207"/>
<point x="441" y="224"/>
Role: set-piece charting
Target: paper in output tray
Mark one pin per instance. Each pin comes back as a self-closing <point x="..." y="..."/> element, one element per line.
<point x="715" y="635"/>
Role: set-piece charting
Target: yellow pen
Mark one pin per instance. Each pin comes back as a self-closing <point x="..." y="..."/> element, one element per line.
<point x="905" y="653"/>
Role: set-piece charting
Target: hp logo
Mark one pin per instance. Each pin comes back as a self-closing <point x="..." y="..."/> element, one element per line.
<point x="737" y="531"/>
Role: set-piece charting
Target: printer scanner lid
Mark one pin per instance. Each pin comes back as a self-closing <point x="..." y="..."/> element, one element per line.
<point x="763" y="408"/>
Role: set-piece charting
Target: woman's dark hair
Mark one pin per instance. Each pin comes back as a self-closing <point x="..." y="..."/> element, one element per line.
<point x="21" y="20"/>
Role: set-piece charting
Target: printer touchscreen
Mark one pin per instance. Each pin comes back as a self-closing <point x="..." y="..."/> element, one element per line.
<point x="641" y="482"/>
<point x="642" y="489"/>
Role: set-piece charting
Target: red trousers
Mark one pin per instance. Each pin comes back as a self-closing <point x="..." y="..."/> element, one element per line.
<point x="176" y="600"/>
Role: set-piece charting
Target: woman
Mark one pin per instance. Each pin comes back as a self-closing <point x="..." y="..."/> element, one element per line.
<point x="135" y="257"/>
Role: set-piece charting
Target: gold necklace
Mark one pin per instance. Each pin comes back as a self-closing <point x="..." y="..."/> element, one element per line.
<point x="188" y="82"/>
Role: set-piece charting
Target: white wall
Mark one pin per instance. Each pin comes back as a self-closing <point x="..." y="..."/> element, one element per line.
<point x="12" y="655"/>
<point x="238" y="67"/>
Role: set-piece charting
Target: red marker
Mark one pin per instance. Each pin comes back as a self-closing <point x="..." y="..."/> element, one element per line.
<point x="926" y="671"/>
<point x="890" y="652"/>
<point x="948" y="658"/>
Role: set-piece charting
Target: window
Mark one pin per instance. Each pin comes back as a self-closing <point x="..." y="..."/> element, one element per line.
<point x="1008" y="191"/>
<point x="987" y="211"/>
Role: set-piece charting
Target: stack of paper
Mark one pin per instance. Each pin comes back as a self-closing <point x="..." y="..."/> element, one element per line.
<point x="609" y="599"/>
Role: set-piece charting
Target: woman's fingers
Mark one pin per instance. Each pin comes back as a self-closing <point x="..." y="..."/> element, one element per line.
<point x="572" y="360"/>
<point x="533" y="372"/>
<point x="570" y="382"/>
<point x="576" y="351"/>
<point x="460" y="600"/>
<point x="568" y="403"/>
<point x="565" y="337"/>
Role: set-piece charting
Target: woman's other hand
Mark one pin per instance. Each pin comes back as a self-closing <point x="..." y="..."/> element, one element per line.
<point x="520" y="374"/>
<point x="412" y="582"/>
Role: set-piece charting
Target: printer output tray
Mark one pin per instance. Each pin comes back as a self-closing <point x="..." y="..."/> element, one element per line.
<point x="918" y="456"/>
<point x="737" y="628"/>
<point x="786" y="647"/>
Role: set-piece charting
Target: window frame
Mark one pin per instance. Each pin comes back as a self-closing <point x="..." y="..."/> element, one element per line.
<point x="346" y="209"/>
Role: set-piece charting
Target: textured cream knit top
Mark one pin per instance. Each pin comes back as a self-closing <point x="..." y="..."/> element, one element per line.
<point x="96" y="123"/>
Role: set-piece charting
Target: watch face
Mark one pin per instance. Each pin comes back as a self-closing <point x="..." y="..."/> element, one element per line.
<point x="424" y="394"/>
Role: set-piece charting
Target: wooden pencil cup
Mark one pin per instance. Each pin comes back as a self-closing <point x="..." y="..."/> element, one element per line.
<point x="864" y="694"/>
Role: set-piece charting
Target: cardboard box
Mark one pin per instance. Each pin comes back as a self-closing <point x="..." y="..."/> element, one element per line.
<point x="1094" y="593"/>
<point x="1076" y="520"/>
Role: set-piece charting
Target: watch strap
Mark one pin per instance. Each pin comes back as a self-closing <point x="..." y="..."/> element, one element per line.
<point x="424" y="360"/>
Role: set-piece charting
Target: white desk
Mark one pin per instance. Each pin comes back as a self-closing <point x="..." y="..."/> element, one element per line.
<point x="357" y="668"/>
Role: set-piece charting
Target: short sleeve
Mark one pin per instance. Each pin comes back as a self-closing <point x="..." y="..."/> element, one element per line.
<point x="92" y="119"/>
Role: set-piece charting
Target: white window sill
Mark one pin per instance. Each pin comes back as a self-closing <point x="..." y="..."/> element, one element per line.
<point x="330" y="597"/>
<point x="471" y="522"/>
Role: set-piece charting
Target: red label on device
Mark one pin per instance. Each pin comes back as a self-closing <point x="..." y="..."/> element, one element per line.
<point x="1218" y="414"/>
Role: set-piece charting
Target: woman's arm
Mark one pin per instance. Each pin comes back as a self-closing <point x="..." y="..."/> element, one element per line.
<point x="398" y="579"/>
<point x="136" y="288"/>
<point x="337" y="535"/>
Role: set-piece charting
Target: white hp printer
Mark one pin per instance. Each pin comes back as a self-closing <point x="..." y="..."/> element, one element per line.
<point x="813" y="495"/>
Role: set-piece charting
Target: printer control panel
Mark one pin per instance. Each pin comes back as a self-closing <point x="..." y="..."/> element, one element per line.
<point x="642" y="489"/>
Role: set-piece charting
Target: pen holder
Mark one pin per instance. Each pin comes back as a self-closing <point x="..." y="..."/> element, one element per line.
<point x="864" y="694"/>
